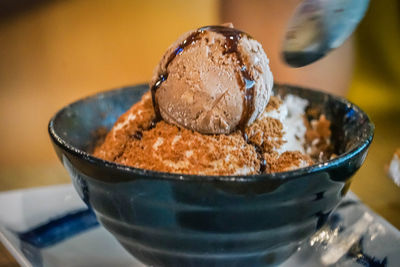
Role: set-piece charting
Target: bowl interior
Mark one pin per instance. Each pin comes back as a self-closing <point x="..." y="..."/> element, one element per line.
<point x="79" y="126"/>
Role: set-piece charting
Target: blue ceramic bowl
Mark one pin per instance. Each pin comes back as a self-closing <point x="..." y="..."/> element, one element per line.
<point x="166" y="219"/>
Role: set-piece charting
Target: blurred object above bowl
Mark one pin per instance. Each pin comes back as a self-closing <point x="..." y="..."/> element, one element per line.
<point x="166" y="219"/>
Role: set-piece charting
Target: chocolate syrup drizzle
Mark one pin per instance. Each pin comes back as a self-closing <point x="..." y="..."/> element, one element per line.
<point x="259" y="151"/>
<point x="244" y="77"/>
<point x="263" y="161"/>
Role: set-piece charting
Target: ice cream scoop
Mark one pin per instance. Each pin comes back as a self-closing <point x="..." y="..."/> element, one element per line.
<point x="212" y="80"/>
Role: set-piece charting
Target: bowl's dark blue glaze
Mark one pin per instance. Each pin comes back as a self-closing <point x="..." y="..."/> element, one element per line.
<point x="168" y="219"/>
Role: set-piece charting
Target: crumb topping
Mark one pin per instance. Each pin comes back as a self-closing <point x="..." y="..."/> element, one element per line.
<point x="136" y="119"/>
<point x="273" y="103"/>
<point x="135" y="140"/>
<point x="318" y="139"/>
<point x="287" y="161"/>
<point x="169" y="148"/>
<point x="266" y="133"/>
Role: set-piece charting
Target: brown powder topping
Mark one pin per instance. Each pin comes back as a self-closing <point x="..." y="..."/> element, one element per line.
<point x="287" y="161"/>
<point x="273" y="103"/>
<point x="169" y="148"/>
<point x="138" y="118"/>
<point x="266" y="132"/>
<point x="318" y="139"/>
<point x="136" y="141"/>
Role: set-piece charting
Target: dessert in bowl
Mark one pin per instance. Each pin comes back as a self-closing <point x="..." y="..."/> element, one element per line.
<point x="243" y="209"/>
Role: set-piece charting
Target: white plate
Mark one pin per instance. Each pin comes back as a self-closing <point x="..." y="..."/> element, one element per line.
<point x="51" y="226"/>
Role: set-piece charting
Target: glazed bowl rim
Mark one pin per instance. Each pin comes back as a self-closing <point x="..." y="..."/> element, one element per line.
<point x="362" y="144"/>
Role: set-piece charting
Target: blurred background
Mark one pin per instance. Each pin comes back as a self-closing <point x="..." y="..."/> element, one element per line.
<point x="55" y="52"/>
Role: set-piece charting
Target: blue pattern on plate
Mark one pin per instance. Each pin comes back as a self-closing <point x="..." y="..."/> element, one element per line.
<point x="59" y="229"/>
